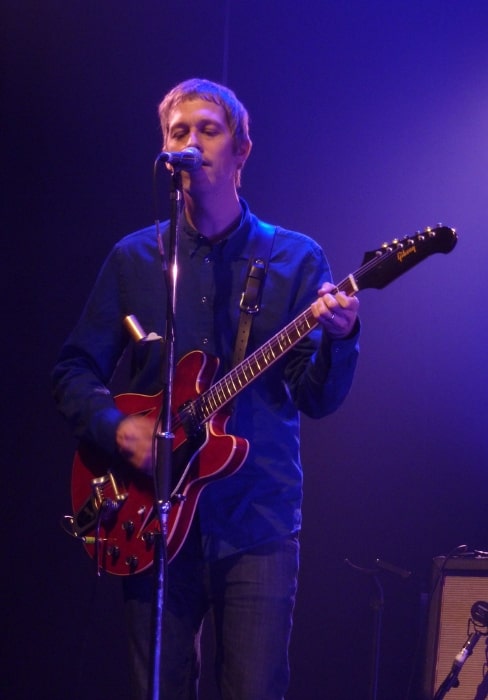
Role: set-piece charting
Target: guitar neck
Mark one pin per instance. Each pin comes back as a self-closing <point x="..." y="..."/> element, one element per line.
<point x="225" y="389"/>
<point x="379" y="268"/>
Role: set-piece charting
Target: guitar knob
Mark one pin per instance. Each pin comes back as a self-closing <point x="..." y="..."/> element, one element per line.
<point x="132" y="562"/>
<point x="128" y="526"/>
<point x="113" y="551"/>
<point x="148" y="538"/>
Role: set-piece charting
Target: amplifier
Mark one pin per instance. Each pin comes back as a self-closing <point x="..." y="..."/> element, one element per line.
<point x="457" y="583"/>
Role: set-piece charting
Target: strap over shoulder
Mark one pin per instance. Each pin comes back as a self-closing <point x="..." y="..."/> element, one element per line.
<point x="251" y="296"/>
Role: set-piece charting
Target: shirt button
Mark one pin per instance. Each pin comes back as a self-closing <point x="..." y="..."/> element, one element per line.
<point x="205" y="341"/>
<point x="204" y="300"/>
<point x="207" y="259"/>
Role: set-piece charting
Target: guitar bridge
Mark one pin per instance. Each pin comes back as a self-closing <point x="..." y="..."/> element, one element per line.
<point x="106" y="498"/>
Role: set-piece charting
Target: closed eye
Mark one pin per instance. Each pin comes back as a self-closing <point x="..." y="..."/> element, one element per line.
<point x="179" y="134"/>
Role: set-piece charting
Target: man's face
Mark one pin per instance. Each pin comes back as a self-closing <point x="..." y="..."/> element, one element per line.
<point x="203" y="125"/>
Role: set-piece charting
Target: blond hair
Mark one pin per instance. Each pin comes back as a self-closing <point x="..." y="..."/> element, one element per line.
<point x="201" y="89"/>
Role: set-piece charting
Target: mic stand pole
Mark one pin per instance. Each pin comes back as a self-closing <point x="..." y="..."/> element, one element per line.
<point x="163" y="443"/>
<point x="377" y="605"/>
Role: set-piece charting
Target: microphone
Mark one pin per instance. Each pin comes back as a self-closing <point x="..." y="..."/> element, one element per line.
<point x="189" y="159"/>
<point x="466" y="651"/>
<point x="479" y="613"/>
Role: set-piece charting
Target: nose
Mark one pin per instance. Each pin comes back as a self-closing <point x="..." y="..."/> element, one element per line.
<point x="193" y="139"/>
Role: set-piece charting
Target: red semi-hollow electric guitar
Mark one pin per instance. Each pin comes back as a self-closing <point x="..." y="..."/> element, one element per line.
<point x="113" y="504"/>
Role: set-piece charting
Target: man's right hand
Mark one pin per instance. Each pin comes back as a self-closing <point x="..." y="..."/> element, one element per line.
<point x="134" y="439"/>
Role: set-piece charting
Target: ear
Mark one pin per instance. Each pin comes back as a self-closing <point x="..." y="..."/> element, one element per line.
<point x="243" y="152"/>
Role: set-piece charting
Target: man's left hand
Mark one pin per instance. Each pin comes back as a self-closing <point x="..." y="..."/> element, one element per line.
<point x="337" y="313"/>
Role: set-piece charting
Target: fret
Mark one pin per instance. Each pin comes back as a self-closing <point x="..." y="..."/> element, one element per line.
<point x="211" y="399"/>
<point x="231" y="379"/>
<point x="204" y="411"/>
<point x="220" y="395"/>
<point x="264" y="357"/>
<point x="239" y="379"/>
<point x="282" y="341"/>
<point x="227" y="392"/>
<point x="198" y="410"/>
<point x="249" y="367"/>
<point x="269" y="353"/>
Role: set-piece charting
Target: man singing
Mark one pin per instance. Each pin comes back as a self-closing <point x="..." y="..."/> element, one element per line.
<point x="239" y="561"/>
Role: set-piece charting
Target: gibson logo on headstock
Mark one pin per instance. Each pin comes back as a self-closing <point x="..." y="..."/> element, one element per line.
<point x="405" y="252"/>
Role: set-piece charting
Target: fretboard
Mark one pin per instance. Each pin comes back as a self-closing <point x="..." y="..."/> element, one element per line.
<point x="225" y="389"/>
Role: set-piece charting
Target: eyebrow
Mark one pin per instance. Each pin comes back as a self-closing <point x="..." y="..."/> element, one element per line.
<point x="205" y="121"/>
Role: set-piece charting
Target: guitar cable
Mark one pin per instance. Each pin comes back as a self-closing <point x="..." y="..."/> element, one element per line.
<point x="67" y="525"/>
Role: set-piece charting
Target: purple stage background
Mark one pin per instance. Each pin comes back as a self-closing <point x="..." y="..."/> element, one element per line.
<point x="369" y="122"/>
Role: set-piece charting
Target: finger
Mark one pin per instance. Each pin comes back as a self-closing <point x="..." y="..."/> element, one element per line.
<point x="327" y="288"/>
<point x="349" y="303"/>
<point x="324" y="310"/>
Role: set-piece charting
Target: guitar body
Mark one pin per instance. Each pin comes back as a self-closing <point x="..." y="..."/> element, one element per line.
<point x="113" y="503"/>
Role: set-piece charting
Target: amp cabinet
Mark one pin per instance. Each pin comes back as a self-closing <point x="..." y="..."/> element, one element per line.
<point x="457" y="583"/>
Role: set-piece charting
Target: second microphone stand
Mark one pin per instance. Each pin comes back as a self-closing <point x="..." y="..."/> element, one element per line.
<point x="377" y="605"/>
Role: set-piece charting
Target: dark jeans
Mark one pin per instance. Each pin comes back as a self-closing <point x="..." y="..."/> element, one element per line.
<point x="250" y="597"/>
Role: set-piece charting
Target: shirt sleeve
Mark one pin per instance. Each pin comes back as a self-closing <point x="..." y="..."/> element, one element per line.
<point x="88" y="360"/>
<point x="320" y="378"/>
<point x="320" y="371"/>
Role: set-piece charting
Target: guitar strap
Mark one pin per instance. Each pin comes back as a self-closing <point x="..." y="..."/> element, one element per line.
<point x="253" y="288"/>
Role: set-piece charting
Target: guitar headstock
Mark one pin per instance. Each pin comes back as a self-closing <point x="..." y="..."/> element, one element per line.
<point x="382" y="266"/>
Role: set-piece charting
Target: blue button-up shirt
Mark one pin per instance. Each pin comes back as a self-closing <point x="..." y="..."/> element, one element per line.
<point x="262" y="500"/>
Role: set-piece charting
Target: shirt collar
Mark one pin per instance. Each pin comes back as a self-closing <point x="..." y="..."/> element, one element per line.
<point x="236" y="236"/>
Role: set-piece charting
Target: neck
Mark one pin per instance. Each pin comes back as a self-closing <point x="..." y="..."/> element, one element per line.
<point x="211" y="216"/>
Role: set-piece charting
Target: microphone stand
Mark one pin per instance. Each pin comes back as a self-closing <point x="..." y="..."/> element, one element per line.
<point x="377" y="604"/>
<point x="163" y="439"/>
